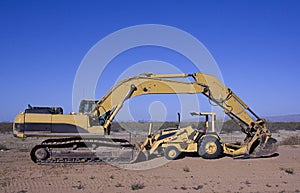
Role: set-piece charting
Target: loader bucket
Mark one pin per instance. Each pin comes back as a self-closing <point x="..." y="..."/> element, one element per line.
<point x="140" y="156"/>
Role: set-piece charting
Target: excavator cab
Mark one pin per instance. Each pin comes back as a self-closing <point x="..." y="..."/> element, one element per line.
<point x="87" y="106"/>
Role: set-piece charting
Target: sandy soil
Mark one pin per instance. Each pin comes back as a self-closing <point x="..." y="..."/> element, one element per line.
<point x="190" y="174"/>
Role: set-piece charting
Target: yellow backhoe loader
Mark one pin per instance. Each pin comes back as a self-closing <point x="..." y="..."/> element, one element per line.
<point x="173" y="142"/>
<point x="85" y="136"/>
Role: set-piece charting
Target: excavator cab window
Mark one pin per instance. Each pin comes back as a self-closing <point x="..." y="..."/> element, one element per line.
<point x="87" y="106"/>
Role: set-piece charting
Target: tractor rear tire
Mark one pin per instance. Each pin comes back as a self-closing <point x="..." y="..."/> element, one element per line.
<point x="171" y="152"/>
<point x="210" y="147"/>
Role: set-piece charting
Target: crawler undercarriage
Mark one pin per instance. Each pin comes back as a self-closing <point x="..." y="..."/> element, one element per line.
<point x="80" y="150"/>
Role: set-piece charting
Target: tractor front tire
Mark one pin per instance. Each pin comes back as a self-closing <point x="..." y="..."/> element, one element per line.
<point x="210" y="147"/>
<point x="171" y="152"/>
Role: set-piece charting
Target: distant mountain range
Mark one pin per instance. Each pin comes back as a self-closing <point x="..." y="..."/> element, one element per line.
<point x="283" y="118"/>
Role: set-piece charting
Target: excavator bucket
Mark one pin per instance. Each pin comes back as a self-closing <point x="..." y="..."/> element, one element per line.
<point x="267" y="148"/>
<point x="262" y="149"/>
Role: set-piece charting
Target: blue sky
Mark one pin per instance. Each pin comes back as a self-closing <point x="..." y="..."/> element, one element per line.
<point x="255" y="43"/>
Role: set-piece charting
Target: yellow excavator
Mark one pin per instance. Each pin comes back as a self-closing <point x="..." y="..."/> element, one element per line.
<point x="85" y="136"/>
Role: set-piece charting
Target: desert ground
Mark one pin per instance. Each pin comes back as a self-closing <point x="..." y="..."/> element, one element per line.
<point x="189" y="174"/>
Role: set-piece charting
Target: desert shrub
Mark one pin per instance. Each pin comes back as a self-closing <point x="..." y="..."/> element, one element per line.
<point x="230" y="126"/>
<point x="290" y="126"/>
<point x="292" y="140"/>
<point x="80" y="186"/>
<point x="186" y="169"/>
<point x="3" y="147"/>
<point x="5" y="127"/>
<point x="183" y="188"/>
<point x="118" y="185"/>
<point x="198" y="187"/>
<point x="288" y="170"/>
<point x="137" y="186"/>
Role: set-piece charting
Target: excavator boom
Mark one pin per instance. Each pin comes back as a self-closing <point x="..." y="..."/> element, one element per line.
<point x="206" y="84"/>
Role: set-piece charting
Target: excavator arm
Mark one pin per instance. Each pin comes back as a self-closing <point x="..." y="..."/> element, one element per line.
<point x="253" y="126"/>
<point x="206" y="84"/>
